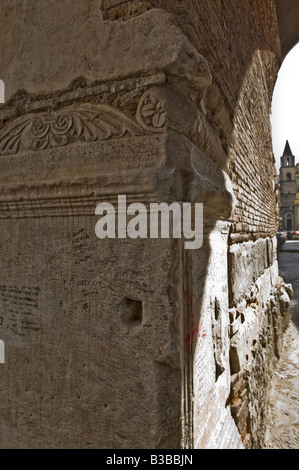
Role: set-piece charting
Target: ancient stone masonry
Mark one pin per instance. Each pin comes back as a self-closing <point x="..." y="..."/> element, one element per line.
<point x="123" y="343"/>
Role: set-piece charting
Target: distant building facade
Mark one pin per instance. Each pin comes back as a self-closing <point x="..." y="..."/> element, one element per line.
<point x="289" y="191"/>
<point x="297" y="199"/>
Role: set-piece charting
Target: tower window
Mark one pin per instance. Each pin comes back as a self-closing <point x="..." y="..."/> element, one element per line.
<point x="289" y="177"/>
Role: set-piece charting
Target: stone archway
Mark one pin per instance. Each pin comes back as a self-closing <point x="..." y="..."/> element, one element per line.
<point x="163" y="101"/>
<point x="288" y="24"/>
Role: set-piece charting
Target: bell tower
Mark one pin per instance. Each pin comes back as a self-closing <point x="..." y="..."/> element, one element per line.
<point x="287" y="188"/>
<point x="287" y="159"/>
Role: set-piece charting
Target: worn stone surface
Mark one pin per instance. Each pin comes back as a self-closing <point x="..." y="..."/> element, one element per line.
<point x="123" y="343"/>
<point x="282" y="419"/>
<point x="68" y="336"/>
<point x="282" y="430"/>
<point x="43" y="55"/>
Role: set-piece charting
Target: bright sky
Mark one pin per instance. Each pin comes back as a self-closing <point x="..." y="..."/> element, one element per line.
<point x="285" y="107"/>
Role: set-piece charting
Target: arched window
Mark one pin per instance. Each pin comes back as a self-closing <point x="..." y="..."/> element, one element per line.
<point x="289" y="221"/>
<point x="289" y="177"/>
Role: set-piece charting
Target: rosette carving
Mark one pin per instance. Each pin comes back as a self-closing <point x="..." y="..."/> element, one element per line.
<point x="151" y="112"/>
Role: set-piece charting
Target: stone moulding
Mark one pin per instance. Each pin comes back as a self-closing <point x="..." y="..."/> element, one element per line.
<point x="158" y="108"/>
<point x="97" y="145"/>
<point x="81" y="123"/>
<point x="81" y="92"/>
<point x="161" y="107"/>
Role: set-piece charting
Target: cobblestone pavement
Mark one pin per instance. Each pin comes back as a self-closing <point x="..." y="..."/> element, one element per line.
<point x="283" y="428"/>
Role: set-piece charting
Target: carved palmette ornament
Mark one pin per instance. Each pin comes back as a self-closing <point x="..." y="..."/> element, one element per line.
<point x="77" y="123"/>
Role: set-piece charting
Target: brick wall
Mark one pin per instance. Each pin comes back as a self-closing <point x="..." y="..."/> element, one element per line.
<point x="241" y="43"/>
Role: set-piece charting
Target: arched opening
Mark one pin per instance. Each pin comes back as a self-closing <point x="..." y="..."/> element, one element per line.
<point x="285" y="108"/>
<point x="284" y="120"/>
<point x="289" y="221"/>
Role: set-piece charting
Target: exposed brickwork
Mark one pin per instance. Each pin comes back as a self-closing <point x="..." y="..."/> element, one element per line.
<point x="244" y="33"/>
<point x="236" y="28"/>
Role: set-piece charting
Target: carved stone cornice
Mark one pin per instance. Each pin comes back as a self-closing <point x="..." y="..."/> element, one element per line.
<point x="159" y="108"/>
<point x="63" y="161"/>
<point x="82" y="123"/>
